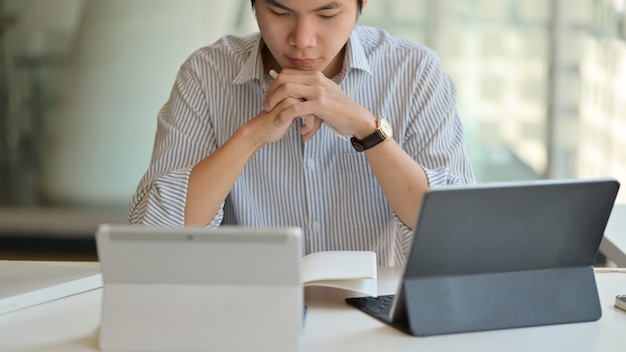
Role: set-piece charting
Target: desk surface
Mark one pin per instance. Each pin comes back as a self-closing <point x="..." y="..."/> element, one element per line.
<point x="614" y="241"/>
<point x="71" y="324"/>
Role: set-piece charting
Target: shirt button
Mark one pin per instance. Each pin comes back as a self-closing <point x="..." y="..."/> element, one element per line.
<point x="317" y="227"/>
<point x="310" y="164"/>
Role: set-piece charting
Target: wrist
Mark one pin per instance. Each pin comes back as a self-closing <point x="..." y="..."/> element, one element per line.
<point x="365" y="129"/>
<point x="382" y="132"/>
<point x="247" y="138"/>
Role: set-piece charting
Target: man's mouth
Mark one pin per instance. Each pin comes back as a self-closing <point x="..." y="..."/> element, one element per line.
<point x="301" y="62"/>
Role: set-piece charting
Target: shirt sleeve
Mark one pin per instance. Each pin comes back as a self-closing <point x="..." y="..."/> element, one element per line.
<point x="435" y="137"/>
<point x="183" y="138"/>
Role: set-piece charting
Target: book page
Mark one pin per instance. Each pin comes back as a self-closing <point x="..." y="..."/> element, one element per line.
<point x="350" y="270"/>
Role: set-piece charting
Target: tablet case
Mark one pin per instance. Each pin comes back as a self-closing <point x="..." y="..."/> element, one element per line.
<point x="503" y="256"/>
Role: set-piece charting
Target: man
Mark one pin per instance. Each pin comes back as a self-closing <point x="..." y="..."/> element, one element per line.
<point x="235" y="146"/>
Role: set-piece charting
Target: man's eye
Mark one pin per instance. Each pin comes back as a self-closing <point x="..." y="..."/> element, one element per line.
<point x="280" y="13"/>
<point x="328" y="15"/>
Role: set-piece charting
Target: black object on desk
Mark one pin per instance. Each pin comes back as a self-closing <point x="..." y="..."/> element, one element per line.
<point x="620" y="302"/>
<point x="497" y="256"/>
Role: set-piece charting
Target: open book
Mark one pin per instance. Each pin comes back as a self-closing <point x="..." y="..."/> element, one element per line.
<point x="348" y="270"/>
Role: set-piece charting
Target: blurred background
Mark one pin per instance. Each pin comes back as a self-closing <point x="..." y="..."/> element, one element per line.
<point x="541" y="92"/>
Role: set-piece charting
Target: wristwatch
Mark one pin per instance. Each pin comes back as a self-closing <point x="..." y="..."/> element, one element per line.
<point x="383" y="133"/>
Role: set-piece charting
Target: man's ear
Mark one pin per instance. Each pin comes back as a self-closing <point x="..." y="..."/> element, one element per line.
<point x="363" y="4"/>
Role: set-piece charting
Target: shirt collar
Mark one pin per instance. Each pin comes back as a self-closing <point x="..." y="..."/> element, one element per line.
<point x="355" y="55"/>
<point x="253" y="66"/>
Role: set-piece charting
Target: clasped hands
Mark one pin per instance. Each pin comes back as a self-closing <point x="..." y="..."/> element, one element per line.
<point x="309" y="95"/>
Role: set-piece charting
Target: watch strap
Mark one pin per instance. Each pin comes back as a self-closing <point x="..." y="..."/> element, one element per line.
<point x="368" y="142"/>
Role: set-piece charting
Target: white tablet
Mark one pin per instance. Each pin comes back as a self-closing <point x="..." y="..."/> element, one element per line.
<point x="200" y="289"/>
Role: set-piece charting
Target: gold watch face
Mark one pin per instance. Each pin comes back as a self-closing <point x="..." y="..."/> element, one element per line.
<point x="384" y="126"/>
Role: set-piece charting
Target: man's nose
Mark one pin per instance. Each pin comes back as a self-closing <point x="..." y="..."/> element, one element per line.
<point x="303" y="34"/>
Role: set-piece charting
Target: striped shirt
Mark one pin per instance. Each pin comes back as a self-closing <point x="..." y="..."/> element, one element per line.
<point x="323" y="186"/>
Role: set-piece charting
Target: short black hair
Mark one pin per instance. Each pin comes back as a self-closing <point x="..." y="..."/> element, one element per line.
<point x="359" y="3"/>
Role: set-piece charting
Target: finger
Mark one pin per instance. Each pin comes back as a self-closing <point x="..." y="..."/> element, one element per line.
<point x="307" y="136"/>
<point x="286" y="111"/>
<point x="306" y="128"/>
<point x="312" y="126"/>
<point x="281" y="90"/>
<point x="276" y="95"/>
<point x="307" y="123"/>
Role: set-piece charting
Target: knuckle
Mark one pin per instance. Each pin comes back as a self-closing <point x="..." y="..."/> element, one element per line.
<point x="322" y="100"/>
<point x="289" y="86"/>
<point x="296" y="109"/>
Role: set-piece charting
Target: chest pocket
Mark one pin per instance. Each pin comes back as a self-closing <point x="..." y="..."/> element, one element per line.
<point x="362" y="203"/>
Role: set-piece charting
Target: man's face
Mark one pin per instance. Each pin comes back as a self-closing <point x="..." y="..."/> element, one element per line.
<point x="307" y="34"/>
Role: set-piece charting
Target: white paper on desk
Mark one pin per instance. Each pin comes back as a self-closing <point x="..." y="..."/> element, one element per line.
<point x="348" y="270"/>
<point x="27" y="283"/>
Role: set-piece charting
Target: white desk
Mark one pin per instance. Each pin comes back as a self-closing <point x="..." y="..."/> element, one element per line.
<point x="614" y="242"/>
<point x="71" y="324"/>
